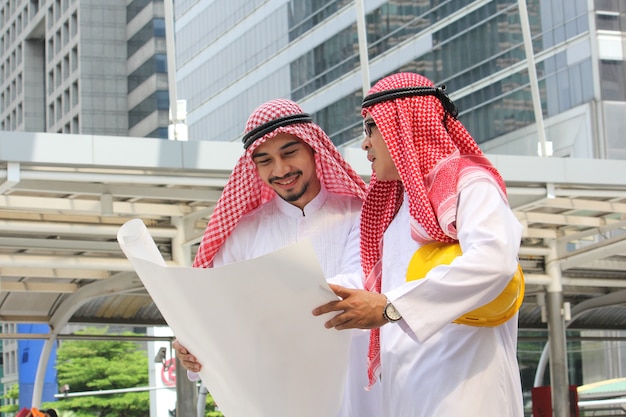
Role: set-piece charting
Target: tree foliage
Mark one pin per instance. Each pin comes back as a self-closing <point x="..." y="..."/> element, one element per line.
<point x="87" y="365"/>
<point x="211" y="408"/>
<point x="13" y="394"/>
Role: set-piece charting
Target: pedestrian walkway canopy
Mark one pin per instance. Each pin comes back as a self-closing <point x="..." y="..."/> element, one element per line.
<point x="602" y="396"/>
<point x="64" y="197"/>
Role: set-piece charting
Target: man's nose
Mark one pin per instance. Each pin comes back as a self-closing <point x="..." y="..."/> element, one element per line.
<point x="365" y="145"/>
<point x="281" y="168"/>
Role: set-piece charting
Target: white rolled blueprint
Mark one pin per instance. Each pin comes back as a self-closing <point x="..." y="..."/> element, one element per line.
<point x="250" y="325"/>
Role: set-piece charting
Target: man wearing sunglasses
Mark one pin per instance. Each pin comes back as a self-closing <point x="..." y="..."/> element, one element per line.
<point x="431" y="184"/>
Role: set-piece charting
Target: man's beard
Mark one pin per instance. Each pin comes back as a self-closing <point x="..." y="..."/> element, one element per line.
<point x="292" y="196"/>
<point x="295" y="196"/>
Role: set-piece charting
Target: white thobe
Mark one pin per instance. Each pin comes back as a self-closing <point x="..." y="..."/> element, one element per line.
<point x="331" y="222"/>
<point x="430" y="366"/>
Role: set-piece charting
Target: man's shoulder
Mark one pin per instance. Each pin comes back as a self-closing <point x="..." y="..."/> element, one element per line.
<point x="346" y="200"/>
<point x="349" y="207"/>
<point x="266" y="209"/>
<point x="254" y="220"/>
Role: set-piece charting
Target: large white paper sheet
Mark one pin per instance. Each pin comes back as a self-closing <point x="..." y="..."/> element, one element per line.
<point x="250" y="325"/>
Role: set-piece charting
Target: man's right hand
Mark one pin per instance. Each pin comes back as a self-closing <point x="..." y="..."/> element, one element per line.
<point x="188" y="361"/>
<point x="357" y="309"/>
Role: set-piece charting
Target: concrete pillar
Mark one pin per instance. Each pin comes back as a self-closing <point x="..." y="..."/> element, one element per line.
<point x="559" y="378"/>
<point x="186" y="393"/>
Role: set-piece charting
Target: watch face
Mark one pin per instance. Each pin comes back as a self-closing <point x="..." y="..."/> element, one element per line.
<point x="391" y="313"/>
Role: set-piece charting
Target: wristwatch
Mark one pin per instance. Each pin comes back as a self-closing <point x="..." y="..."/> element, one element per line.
<point x="390" y="313"/>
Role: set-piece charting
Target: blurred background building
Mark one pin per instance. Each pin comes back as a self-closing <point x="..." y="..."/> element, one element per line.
<point x="93" y="67"/>
<point x="233" y="55"/>
<point x="84" y="66"/>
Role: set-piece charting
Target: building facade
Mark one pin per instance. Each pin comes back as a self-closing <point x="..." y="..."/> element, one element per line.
<point x="84" y="66"/>
<point x="308" y="51"/>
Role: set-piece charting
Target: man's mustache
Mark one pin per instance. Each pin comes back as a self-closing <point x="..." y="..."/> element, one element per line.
<point x="271" y="180"/>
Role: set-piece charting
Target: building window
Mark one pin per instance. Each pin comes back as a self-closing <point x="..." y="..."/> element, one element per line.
<point x="159" y="100"/>
<point x="155" y="64"/>
<point x="613" y="80"/>
<point x="136" y="6"/>
<point x="153" y="29"/>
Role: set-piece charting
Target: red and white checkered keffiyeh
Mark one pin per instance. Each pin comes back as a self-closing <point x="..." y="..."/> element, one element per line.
<point x="245" y="190"/>
<point x="434" y="160"/>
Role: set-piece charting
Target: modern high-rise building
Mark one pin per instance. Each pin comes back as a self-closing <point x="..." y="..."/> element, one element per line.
<point x="233" y="55"/>
<point x="84" y="66"/>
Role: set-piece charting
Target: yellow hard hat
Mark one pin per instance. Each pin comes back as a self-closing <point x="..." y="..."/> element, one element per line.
<point x="494" y="313"/>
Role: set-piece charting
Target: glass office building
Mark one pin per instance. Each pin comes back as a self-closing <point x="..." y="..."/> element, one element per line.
<point x="84" y="66"/>
<point x="233" y="55"/>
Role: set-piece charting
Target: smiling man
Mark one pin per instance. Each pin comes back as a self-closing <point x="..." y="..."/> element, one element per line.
<point x="287" y="164"/>
<point x="319" y="198"/>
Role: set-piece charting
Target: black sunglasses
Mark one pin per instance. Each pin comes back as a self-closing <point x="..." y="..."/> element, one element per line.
<point x="367" y="127"/>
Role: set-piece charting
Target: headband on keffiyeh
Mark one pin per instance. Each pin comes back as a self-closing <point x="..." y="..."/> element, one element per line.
<point x="245" y="190"/>
<point x="436" y="158"/>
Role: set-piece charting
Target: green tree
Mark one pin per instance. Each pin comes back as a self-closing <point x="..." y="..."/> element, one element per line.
<point x="87" y="365"/>
<point x="211" y="408"/>
<point x="12" y="394"/>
